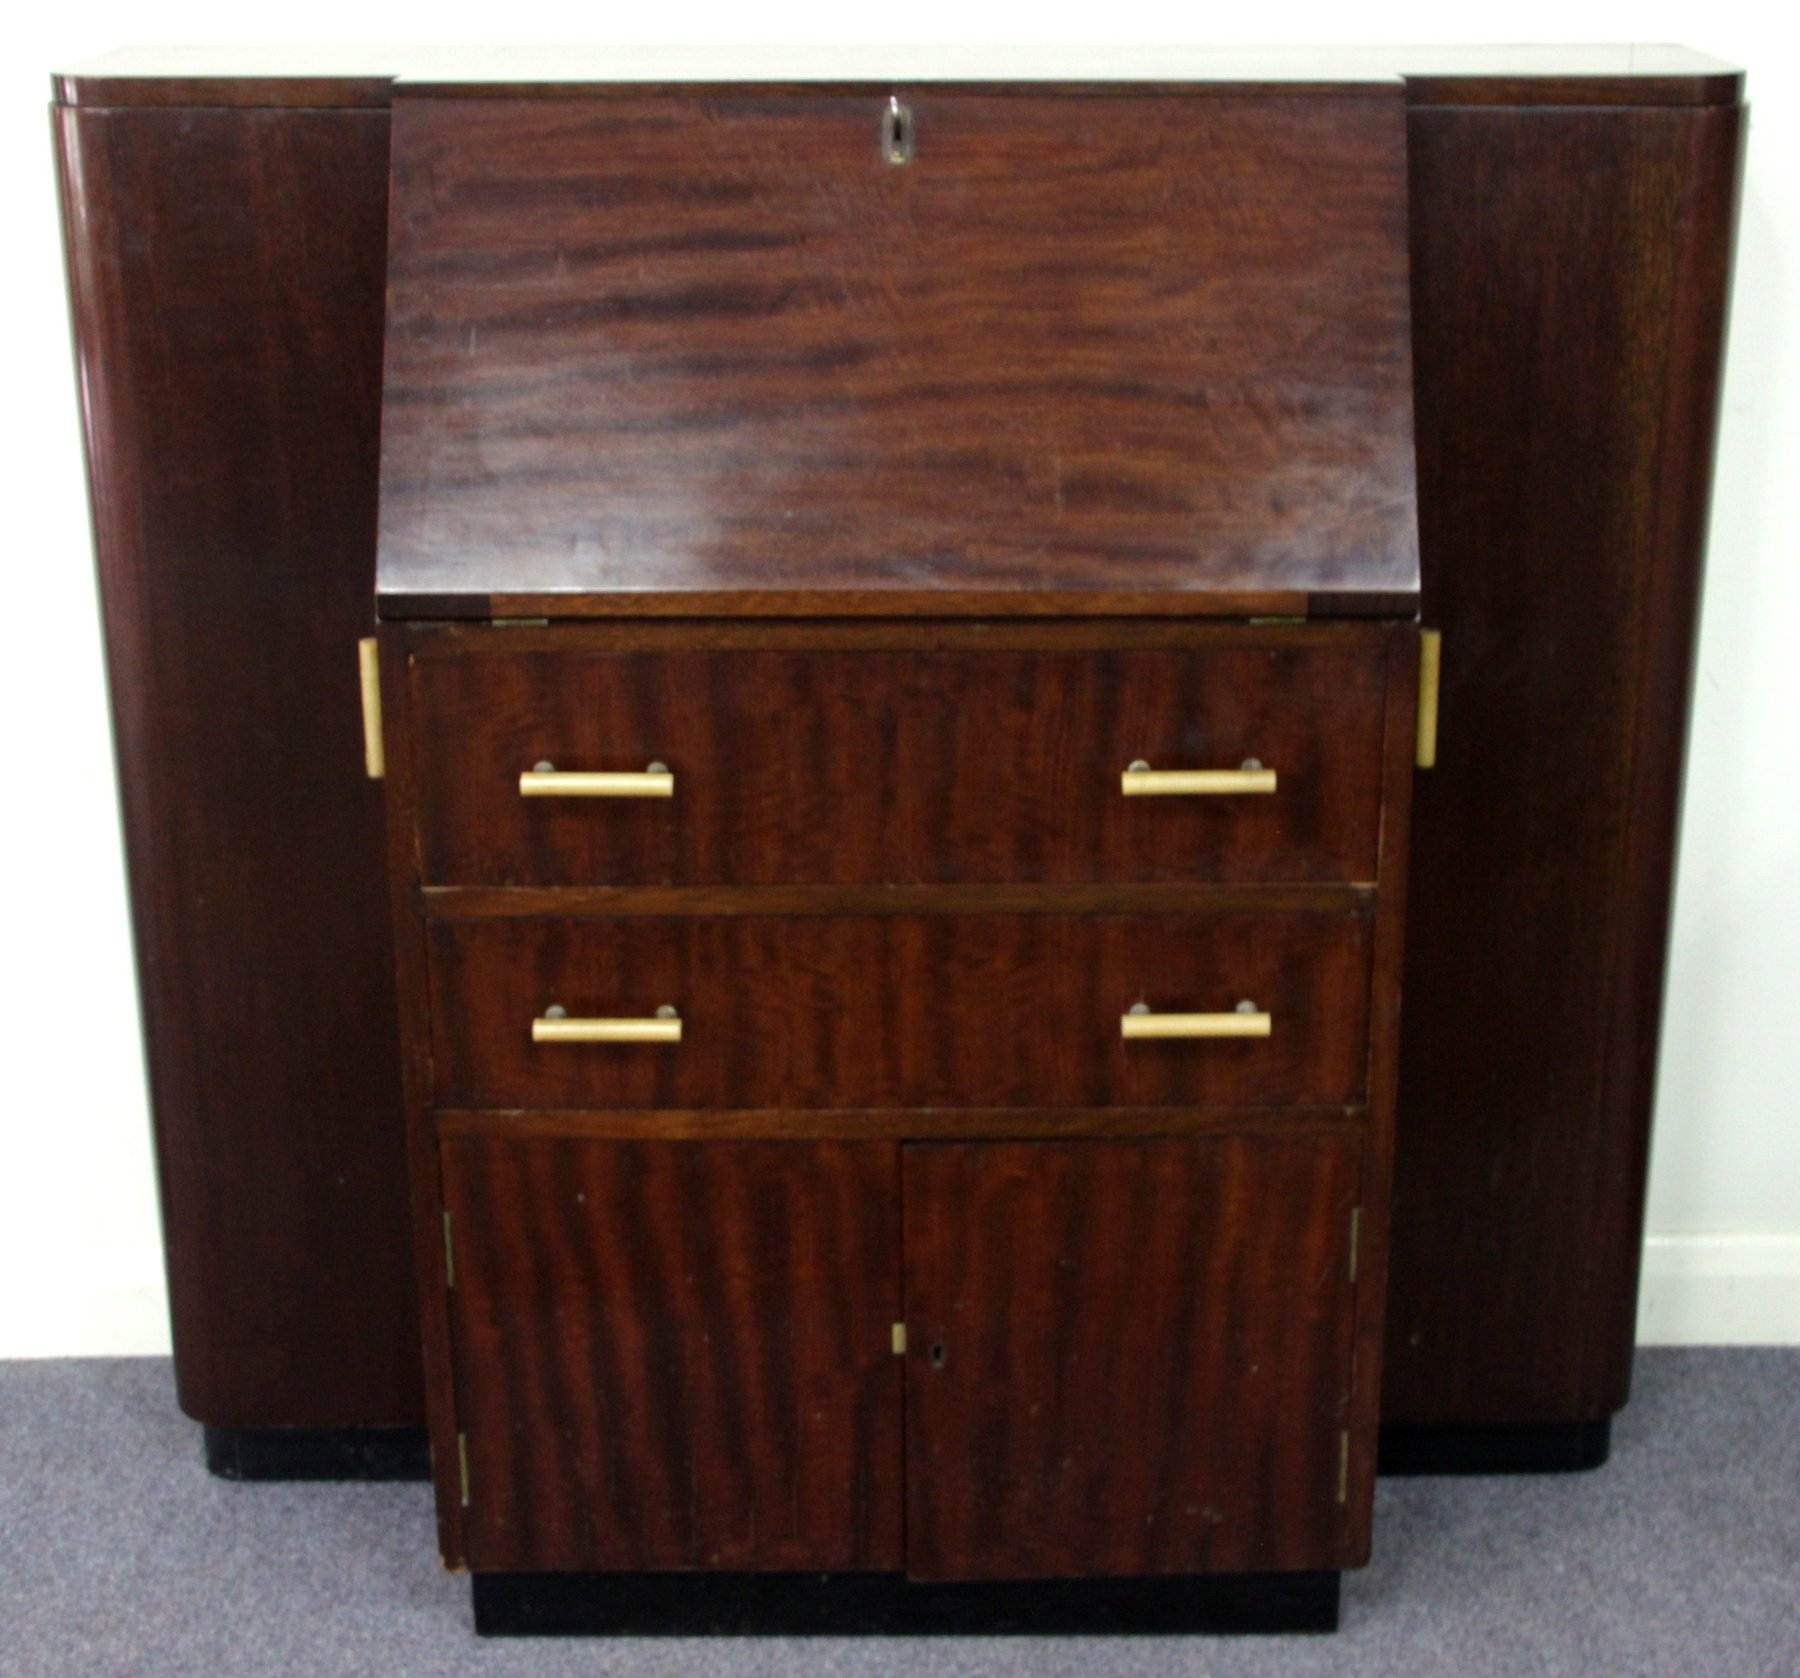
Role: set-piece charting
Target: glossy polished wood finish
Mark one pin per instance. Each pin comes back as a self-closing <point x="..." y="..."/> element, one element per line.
<point x="869" y="1015"/>
<point x="900" y="1011"/>
<point x="1128" y="1358"/>
<point x="230" y="356"/>
<point x="902" y="767"/>
<point x="678" y="1355"/>
<point x="1562" y="501"/>
<point x="1489" y="1184"/>
<point x="712" y="353"/>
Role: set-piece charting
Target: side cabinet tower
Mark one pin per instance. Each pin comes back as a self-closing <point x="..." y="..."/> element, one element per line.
<point x="1570" y="221"/>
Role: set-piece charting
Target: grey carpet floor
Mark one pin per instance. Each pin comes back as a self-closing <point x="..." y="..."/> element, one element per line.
<point x="120" y="1555"/>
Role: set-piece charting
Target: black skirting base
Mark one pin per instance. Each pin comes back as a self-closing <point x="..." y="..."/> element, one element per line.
<point x="318" y="1453"/>
<point x="879" y="1604"/>
<point x="1504" y="1448"/>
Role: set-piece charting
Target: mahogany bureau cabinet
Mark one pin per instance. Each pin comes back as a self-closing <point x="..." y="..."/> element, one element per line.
<point x="893" y="724"/>
<point x="898" y="718"/>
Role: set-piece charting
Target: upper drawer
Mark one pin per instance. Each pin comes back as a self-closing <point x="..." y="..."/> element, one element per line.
<point x="882" y="767"/>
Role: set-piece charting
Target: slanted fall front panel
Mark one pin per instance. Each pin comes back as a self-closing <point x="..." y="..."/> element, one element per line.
<point x="712" y="349"/>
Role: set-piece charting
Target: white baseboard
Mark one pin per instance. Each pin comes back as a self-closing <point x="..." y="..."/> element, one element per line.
<point x="1720" y="1290"/>
<point x="92" y="1319"/>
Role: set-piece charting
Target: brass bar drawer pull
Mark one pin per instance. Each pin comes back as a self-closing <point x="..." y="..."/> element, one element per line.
<point x="547" y="781"/>
<point x="555" y="1026"/>
<point x="1246" y="1020"/>
<point x="1141" y="781"/>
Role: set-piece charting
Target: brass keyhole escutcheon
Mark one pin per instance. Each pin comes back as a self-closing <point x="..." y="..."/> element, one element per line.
<point x="897" y="132"/>
<point x="937" y="1355"/>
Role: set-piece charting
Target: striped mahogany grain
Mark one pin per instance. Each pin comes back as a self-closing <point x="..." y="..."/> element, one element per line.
<point x="901" y="1011"/>
<point x="900" y="768"/>
<point x="1127" y="1358"/>
<point x="677" y="1355"/>
<point x="650" y="346"/>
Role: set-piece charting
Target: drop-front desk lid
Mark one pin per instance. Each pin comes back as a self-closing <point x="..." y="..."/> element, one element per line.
<point x="935" y="349"/>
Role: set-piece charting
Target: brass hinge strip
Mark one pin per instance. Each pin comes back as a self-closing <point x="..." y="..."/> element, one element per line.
<point x="1355" y="1239"/>
<point x="899" y="1340"/>
<point x="449" y="1255"/>
<point x="1343" y="1486"/>
<point x="368" y="659"/>
<point x="462" y="1463"/>
<point x="1431" y="661"/>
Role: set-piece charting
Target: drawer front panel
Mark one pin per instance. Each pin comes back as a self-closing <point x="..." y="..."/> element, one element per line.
<point x="856" y="767"/>
<point x="901" y="1011"/>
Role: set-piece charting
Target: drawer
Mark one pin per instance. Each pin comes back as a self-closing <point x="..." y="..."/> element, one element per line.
<point x="863" y="767"/>
<point x="902" y="1010"/>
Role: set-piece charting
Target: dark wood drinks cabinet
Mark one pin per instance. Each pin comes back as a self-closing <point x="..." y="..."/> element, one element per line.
<point x="853" y="1135"/>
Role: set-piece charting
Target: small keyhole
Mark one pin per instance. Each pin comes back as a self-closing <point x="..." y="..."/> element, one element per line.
<point x="937" y="1356"/>
<point x="897" y="133"/>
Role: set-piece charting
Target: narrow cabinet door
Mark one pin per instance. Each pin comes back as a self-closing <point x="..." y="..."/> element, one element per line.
<point x="1128" y="1357"/>
<point x="676" y="1354"/>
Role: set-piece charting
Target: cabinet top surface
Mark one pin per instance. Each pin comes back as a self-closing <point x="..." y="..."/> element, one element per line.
<point x="1622" y="73"/>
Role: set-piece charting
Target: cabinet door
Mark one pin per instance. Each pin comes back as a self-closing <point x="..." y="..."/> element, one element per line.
<point x="1128" y="1357"/>
<point x="677" y="1354"/>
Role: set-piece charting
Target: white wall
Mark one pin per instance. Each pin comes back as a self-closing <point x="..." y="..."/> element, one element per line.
<point x="80" y="1268"/>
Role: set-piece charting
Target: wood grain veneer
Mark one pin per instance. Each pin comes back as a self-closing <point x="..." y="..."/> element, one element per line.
<point x="711" y="352"/>
<point x="225" y="274"/>
<point x="204" y="421"/>
<point x="1569" y="322"/>
<point x="903" y="767"/>
<point x="900" y="1011"/>
<point x="678" y="1355"/>
<point x="1128" y="1358"/>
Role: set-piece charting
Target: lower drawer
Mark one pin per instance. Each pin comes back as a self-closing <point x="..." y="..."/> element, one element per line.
<point x="950" y="1010"/>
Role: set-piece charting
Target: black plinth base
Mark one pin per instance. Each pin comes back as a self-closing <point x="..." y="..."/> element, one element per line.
<point x="318" y="1453"/>
<point x="880" y="1604"/>
<point x="1505" y="1448"/>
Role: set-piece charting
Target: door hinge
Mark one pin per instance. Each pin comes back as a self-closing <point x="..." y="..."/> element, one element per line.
<point x="449" y="1254"/>
<point x="1355" y="1239"/>
<point x="899" y="1340"/>
<point x="368" y="658"/>
<point x="1343" y="1489"/>
<point x="462" y="1464"/>
<point x="1431" y="662"/>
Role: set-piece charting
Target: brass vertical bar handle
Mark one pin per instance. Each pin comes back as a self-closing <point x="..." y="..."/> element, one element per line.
<point x="1141" y="781"/>
<point x="547" y="781"/>
<point x="555" y="1026"/>
<point x="1246" y="1020"/>
<point x="1431" y="668"/>
<point x="368" y="666"/>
